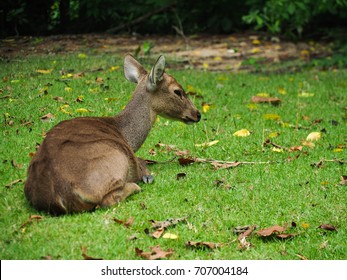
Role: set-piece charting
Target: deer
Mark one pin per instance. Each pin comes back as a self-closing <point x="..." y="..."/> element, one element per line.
<point x="85" y="163"/>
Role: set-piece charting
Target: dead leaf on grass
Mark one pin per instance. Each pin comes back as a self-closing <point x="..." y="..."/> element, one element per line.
<point x="327" y="227"/>
<point x="47" y="117"/>
<point x="207" y="144"/>
<point x="155" y="254"/>
<point x="30" y="220"/>
<point x="218" y="165"/>
<point x="285" y="235"/>
<point x="186" y="161"/>
<point x="170" y="236"/>
<point x="87" y="257"/>
<point x="126" y="223"/>
<point x="271" y="230"/>
<point x="295" y="149"/>
<point x="9" y="185"/>
<point x="302" y="257"/>
<point x="169" y="222"/>
<point x="156" y="234"/>
<point x="242" y="133"/>
<point x="246" y="231"/>
<point x="208" y="245"/>
<point x="272" y="100"/>
<point x="314" y="136"/>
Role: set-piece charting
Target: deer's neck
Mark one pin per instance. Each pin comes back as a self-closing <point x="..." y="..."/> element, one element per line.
<point x="137" y="119"/>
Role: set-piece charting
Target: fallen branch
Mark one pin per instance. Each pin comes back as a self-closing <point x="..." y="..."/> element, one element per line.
<point x="321" y="162"/>
<point x="219" y="164"/>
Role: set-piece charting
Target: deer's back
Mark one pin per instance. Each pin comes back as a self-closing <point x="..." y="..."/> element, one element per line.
<point x="78" y="162"/>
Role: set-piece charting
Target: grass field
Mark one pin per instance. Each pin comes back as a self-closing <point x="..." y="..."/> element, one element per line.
<point x="294" y="182"/>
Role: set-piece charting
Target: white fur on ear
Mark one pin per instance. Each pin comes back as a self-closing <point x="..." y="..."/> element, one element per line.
<point x="133" y="70"/>
<point x="156" y="74"/>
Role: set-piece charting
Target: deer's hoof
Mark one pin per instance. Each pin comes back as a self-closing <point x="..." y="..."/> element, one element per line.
<point x="148" y="179"/>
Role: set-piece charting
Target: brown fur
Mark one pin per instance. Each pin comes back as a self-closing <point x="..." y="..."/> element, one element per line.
<point x="88" y="162"/>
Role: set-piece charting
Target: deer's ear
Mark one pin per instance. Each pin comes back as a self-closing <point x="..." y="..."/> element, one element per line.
<point x="133" y="70"/>
<point x="156" y="74"/>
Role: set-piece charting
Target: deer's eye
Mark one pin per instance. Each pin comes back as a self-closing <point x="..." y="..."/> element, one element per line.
<point x="178" y="92"/>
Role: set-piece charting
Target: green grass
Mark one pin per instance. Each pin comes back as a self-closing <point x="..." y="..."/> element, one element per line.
<point x="284" y="192"/>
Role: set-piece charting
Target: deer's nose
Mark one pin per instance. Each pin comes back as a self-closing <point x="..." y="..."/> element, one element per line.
<point x="198" y="115"/>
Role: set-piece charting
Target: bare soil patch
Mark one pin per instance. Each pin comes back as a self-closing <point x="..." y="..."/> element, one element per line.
<point x="211" y="52"/>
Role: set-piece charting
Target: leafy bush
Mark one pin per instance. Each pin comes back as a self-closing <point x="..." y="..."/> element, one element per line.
<point x="291" y="17"/>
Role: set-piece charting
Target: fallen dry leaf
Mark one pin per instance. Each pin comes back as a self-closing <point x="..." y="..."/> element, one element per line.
<point x="260" y="99"/>
<point x="86" y="257"/>
<point x="9" y="185"/>
<point x="170" y="236"/>
<point x="157" y="233"/>
<point x="169" y="222"/>
<point x="314" y="136"/>
<point x="209" y="245"/>
<point x="31" y="219"/>
<point x="285" y="235"/>
<point x="207" y="144"/>
<point x="327" y="227"/>
<point x="242" y="133"/>
<point x="47" y="117"/>
<point x="295" y="148"/>
<point x="186" y="161"/>
<point x="225" y="165"/>
<point x="155" y="254"/>
<point x="243" y="243"/>
<point x="271" y="230"/>
<point x="302" y="257"/>
<point x="127" y="223"/>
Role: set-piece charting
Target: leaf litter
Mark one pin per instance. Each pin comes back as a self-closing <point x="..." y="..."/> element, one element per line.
<point x="156" y="253"/>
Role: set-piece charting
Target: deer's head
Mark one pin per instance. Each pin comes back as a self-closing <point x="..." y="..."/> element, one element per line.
<point x="167" y="97"/>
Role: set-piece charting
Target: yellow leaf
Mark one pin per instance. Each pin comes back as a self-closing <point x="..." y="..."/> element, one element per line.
<point x="282" y="90"/>
<point x="206" y="107"/>
<point x="252" y="106"/>
<point x="308" y="144"/>
<point x="263" y="94"/>
<point x="169" y="236"/>
<point x="65" y="109"/>
<point x="314" y="136"/>
<point x="69" y="75"/>
<point x="271" y="117"/>
<point x="256" y="42"/>
<point x="338" y="150"/>
<point x="305" y="94"/>
<point x="68" y="89"/>
<point x="205" y="65"/>
<point x="218" y="58"/>
<point x="273" y="134"/>
<point x="305" y="225"/>
<point x="82" y="55"/>
<point x="190" y="88"/>
<point x="242" y="133"/>
<point x="277" y="150"/>
<point x="44" y="71"/>
<point x="82" y="110"/>
<point x="114" y="68"/>
<point x="256" y="50"/>
<point x="207" y="144"/>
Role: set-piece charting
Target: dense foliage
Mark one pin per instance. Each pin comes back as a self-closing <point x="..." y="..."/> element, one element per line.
<point x="290" y="17"/>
